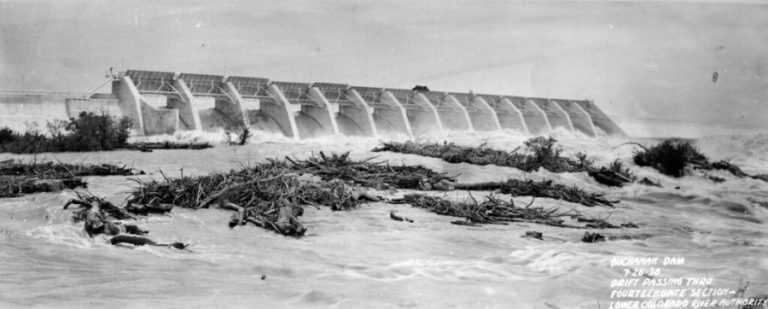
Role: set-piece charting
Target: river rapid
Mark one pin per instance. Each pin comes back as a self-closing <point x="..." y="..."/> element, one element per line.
<point x="362" y="259"/>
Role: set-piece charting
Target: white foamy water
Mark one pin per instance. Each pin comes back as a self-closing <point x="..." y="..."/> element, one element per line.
<point x="362" y="259"/>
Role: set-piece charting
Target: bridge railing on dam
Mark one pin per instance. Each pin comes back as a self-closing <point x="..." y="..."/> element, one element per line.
<point x="302" y="110"/>
<point x="372" y="95"/>
<point x="405" y="97"/>
<point x="203" y="85"/>
<point x="336" y="93"/>
<point x="153" y="82"/>
<point x="253" y="87"/>
<point x="295" y="92"/>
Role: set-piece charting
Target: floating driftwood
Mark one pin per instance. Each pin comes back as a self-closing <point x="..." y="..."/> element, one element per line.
<point x="89" y="201"/>
<point x="491" y="210"/>
<point x="378" y="175"/>
<point x="15" y="186"/>
<point x="99" y="216"/>
<point x="543" y="153"/>
<point x="648" y="182"/>
<point x="728" y="167"/>
<point x="381" y="176"/>
<point x="58" y="170"/>
<point x="544" y="188"/>
<point x="615" y="175"/>
<point x="18" y="178"/>
<point x="269" y="195"/>
<point x="149" y="147"/>
<point x="534" y="235"/>
<point x="141" y="241"/>
<point x="395" y="217"/>
<point x="592" y="237"/>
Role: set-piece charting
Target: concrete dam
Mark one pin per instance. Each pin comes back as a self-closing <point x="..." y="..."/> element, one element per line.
<point x="166" y="102"/>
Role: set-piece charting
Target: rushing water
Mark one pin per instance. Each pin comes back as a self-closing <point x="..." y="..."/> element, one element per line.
<point x="362" y="259"/>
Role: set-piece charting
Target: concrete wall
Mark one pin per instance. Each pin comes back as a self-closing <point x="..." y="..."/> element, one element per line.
<point x="20" y="111"/>
<point x="352" y="118"/>
<point x="159" y="120"/>
<point x="535" y="119"/>
<point x="224" y="115"/>
<point x="556" y="116"/>
<point x="23" y="111"/>
<point x="451" y="114"/>
<point x="541" y="116"/>
<point x="600" y="120"/>
<point x="422" y="116"/>
<point x="388" y="116"/>
<point x="324" y="114"/>
<point x="218" y="113"/>
<point x="129" y="102"/>
<point x="510" y="116"/>
<point x="282" y="112"/>
<point x="483" y="116"/>
<point x="234" y="107"/>
<point x="362" y="117"/>
<point x="262" y="118"/>
<point x="563" y="112"/>
<point x="31" y="111"/>
<point x="581" y="121"/>
<point x="188" y="110"/>
<point x="97" y="106"/>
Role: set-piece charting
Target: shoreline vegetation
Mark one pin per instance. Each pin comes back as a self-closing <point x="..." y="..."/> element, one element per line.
<point x="18" y="178"/>
<point x="87" y="132"/>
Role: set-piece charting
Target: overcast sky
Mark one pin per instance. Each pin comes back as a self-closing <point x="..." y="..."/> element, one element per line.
<point x="636" y="60"/>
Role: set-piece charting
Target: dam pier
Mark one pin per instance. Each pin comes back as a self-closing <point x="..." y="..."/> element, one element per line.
<point x="166" y="102"/>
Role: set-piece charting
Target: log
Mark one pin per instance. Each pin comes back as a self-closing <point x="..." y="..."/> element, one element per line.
<point x="395" y="217"/>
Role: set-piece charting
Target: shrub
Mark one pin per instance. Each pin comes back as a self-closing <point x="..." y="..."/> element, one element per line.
<point x="91" y="132"/>
<point x="7" y="135"/>
<point x="88" y="132"/>
<point x="546" y="153"/>
<point x="670" y="157"/>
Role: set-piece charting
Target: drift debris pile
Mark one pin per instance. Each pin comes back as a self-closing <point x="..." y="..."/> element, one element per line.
<point x="493" y="210"/>
<point x="18" y="178"/>
<point x="672" y="157"/>
<point x="542" y="153"/>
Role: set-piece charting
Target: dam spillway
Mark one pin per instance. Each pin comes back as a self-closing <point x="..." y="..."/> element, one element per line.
<point x="166" y="102"/>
